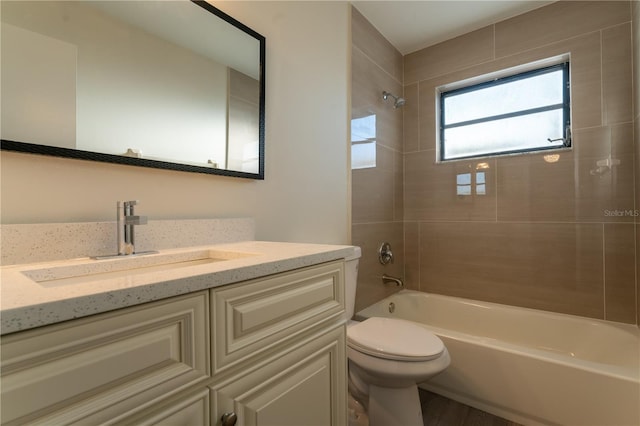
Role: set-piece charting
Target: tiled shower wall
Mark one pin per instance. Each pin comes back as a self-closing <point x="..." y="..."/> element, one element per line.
<point x="636" y="134"/>
<point x="549" y="235"/>
<point x="377" y="202"/>
<point x="554" y="233"/>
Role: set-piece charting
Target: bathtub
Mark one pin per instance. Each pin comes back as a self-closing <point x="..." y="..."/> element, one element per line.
<point x="528" y="366"/>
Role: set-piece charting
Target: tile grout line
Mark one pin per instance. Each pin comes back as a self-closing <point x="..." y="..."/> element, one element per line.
<point x="604" y="276"/>
<point x="635" y="263"/>
<point x="380" y="66"/>
<point x="496" y="189"/>
<point x="635" y="244"/>
<point x="403" y="188"/>
<point x="602" y="103"/>
<point x="495" y="161"/>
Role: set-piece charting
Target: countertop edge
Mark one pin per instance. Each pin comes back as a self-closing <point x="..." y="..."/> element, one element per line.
<point x="267" y="263"/>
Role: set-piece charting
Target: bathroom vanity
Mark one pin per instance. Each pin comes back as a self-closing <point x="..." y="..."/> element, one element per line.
<point x="242" y="333"/>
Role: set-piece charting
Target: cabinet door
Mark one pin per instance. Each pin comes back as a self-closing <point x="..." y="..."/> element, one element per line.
<point x="253" y="317"/>
<point x="190" y="410"/>
<point x="97" y="369"/>
<point x="306" y="386"/>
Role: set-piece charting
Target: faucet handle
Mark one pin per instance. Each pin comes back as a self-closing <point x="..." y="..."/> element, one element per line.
<point x="385" y="255"/>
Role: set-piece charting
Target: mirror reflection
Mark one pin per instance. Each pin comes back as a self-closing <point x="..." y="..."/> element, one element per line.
<point x="363" y="142"/>
<point x="169" y="84"/>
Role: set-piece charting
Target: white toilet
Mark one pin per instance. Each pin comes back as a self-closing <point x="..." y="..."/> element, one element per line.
<point x="388" y="357"/>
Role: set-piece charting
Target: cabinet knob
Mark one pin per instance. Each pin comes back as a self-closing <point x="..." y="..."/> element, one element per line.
<point x="229" y="419"/>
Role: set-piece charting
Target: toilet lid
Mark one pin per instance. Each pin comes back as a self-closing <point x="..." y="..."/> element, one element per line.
<point x="396" y="339"/>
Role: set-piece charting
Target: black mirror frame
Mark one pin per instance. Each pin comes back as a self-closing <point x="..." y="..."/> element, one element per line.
<point x="30" y="148"/>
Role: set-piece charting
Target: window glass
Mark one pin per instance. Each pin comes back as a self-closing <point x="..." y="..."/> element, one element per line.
<point x="518" y="113"/>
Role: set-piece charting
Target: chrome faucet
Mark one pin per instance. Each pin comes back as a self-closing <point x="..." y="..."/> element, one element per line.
<point x="388" y="278"/>
<point x="127" y="221"/>
<point x="385" y="255"/>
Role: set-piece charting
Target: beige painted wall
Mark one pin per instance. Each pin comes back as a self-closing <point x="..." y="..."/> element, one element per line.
<point x="305" y="196"/>
<point x="541" y="236"/>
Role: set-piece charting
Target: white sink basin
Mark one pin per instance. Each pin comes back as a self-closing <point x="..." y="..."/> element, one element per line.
<point x="95" y="270"/>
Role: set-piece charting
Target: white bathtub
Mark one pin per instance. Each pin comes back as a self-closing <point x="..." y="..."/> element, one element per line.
<point x="529" y="366"/>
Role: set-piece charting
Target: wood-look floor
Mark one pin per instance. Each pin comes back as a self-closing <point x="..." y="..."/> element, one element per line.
<point x="440" y="411"/>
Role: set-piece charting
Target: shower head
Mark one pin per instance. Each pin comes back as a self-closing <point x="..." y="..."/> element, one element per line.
<point x="399" y="102"/>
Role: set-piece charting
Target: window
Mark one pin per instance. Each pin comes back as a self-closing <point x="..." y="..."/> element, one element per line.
<point x="524" y="112"/>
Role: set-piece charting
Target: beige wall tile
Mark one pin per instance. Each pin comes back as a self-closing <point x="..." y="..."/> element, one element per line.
<point x="636" y="55"/>
<point x="368" y="83"/>
<point x="620" y="286"/>
<point x="432" y="191"/>
<point x="603" y="192"/>
<point x="575" y="187"/>
<point x="636" y="86"/>
<point x="412" y="255"/>
<point x="460" y="52"/>
<point x="617" y="85"/>
<point x="586" y="80"/>
<point x="637" y="275"/>
<point x="636" y="140"/>
<point x="428" y="127"/>
<point x="389" y="125"/>
<point x="377" y="200"/>
<point x="398" y="186"/>
<point x="369" y="237"/>
<point x="374" y="190"/>
<point x="411" y="116"/>
<point x="530" y="188"/>
<point x="375" y="46"/>
<point x="555" y="267"/>
<point x="637" y="204"/>
<point x="558" y="21"/>
<point x="373" y="195"/>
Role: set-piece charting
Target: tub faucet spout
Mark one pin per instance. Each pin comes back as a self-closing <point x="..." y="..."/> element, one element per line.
<point x="388" y="278"/>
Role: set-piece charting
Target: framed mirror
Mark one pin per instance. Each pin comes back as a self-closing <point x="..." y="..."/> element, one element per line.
<point x="174" y="85"/>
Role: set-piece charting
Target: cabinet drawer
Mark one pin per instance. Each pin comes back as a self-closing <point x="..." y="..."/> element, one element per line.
<point x="252" y="317"/>
<point x="100" y="362"/>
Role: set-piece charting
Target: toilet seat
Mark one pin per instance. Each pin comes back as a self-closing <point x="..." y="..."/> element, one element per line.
<point x="394" y="339"/>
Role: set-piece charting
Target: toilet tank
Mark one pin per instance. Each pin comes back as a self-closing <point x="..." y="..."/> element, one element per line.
<point x="351" y="281"/>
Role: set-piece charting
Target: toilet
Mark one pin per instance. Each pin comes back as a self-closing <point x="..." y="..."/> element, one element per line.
<point x="388" y="358"/>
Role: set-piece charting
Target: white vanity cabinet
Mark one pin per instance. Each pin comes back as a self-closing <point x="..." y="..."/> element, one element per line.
<point x="304" y="386"/>
<point x="270" y="351"/>
<point x="279" y="350"/>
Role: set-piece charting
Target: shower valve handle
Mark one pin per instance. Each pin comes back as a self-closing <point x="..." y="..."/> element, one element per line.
<point x="385" y="255"/>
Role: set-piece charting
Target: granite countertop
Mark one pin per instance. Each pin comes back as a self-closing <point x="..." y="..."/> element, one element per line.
<point x="28" y="303"/>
